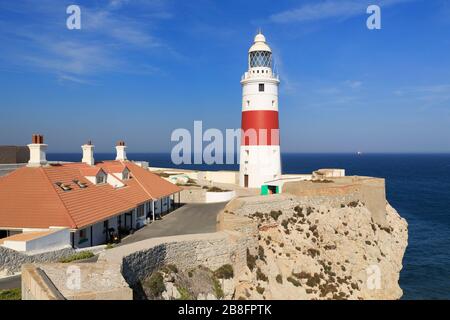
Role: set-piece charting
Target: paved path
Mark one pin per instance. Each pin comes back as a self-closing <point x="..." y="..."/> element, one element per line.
<point x="10" y="282"/>
<point x="189" y="219"/>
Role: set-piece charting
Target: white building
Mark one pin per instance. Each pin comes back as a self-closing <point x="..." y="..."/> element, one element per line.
<point x="90" y="199"/>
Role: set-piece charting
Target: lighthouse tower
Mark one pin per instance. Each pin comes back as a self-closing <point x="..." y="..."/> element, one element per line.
<point x="260" y="161"/>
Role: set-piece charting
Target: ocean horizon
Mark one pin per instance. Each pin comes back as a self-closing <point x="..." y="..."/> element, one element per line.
<point x="417" y="186"/>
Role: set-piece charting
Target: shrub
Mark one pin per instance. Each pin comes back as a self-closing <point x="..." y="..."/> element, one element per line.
<point x="260" y="290"/>
<point x="279" y="278"/>
<point x="171" y="267"/>
<point x="109" y="246"/>
<point x="251" y="260"/>
<point x="275" y="214"/>
<point x="261" y="254"/>
<point x="156" y="284"/>
<point x="260" y="275"/>
<point x="353" y="204"/>
<point x="224" y="272"/>
<point x="285" y="223"/>
<point x="77" y="256"/>
<point x="11" y="294"/>
<point x="293" y="281"/>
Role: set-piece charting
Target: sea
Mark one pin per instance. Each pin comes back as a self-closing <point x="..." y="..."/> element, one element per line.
<point x="417" y="186"/>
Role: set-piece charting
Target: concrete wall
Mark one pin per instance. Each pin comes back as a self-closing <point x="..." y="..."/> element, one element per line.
<point x="212" y="197"/>
<point x="96" y="282"/>
<point x="35" y="286"/>
<point x="230" y="177"/>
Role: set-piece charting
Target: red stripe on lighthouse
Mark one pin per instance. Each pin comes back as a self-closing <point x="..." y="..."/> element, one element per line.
<point x="260" y="128"/>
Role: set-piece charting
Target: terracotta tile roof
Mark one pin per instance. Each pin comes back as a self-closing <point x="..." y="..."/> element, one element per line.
<point x="31" y="197"/>
<point x="26" y="236"/>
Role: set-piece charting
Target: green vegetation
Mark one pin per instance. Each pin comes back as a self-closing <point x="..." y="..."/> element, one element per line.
<point x="260" y="290"/>
<point x="260" y="275"/>
<point x="224" y="272"/>
<point x="275" y="214"/>
<point x="184" y="294"/>
<point x="170" y="268"/>
<point x="217" y="288"/>
<point x="293" y="281"/>
<point x="261" y="254"/>
<point x="251" y="260"/>
<point x="279" y="278"/>
<point x="11" y="294"/>
<point x="156" y="284"/>
<point x="77" y="256"/>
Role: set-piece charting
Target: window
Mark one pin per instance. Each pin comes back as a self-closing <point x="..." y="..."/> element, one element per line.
<point x="63" y="186"/>
<point x="101" y="178"/>
<point x="80" y="184"/>
<point x="140" y="211"/>
<point x="248" y="103"/>
<point x="83" y="236"/>
<point x="261" y="87"/>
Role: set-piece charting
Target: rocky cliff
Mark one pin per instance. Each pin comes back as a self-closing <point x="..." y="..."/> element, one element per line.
<point x="320" y="248"/>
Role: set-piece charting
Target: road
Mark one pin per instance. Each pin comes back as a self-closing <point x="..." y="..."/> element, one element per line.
<point x="10" y="282"/>
<point x="189" y="219"/>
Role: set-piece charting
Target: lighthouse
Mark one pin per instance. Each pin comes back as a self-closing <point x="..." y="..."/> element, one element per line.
<point x="260" y="160"/>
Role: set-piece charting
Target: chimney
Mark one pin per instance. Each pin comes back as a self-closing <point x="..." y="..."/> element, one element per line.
<point x="37" y="151"/>
<point x="88" y="153"/>
<point x="121" y="153"/>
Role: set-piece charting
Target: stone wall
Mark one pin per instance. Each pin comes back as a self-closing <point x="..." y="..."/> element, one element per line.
<point x="11" y="261"/>
<point x="212" y="250"/>
<point x="193" y="195"/>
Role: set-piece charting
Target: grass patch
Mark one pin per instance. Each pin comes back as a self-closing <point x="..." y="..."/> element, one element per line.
<point x="184" y="294"/>
<point x="11" y="294"/>
<point x="217" y="288"/>
<point x="77" y="256"/>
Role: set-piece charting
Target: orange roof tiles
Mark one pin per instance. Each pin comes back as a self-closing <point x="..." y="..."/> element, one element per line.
<point x="31" y="198"/>
<point x="26" y="236"/>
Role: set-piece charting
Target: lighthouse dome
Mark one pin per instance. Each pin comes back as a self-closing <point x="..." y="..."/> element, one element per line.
<point x="259" y="44"/>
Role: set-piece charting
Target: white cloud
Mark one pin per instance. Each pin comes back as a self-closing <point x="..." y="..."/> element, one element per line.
<point x="108" y="33"/>
<point x="320" y="10"/>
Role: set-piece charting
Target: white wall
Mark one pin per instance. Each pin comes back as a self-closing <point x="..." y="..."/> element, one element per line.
<point x="219" y="196"/>
<point x="59" y="238"/>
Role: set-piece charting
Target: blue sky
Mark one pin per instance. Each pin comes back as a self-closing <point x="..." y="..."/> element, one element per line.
<point x="139" y="69"/>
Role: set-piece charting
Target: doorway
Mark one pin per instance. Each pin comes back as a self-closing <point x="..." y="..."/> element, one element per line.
<point x="246" y="180"/>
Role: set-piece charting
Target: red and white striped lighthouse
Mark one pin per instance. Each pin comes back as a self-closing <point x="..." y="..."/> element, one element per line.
<point x="260" y="161"/>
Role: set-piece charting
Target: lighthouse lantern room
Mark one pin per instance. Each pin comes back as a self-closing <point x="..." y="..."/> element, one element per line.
<point x="260" y="161"/>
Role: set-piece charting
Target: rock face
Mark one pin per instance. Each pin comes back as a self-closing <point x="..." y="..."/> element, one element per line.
<point x="310" y="249"/>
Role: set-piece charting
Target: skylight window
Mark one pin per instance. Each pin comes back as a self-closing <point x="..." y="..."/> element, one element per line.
<point x="80" y="184"/>
<point x="64" y="187"/>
